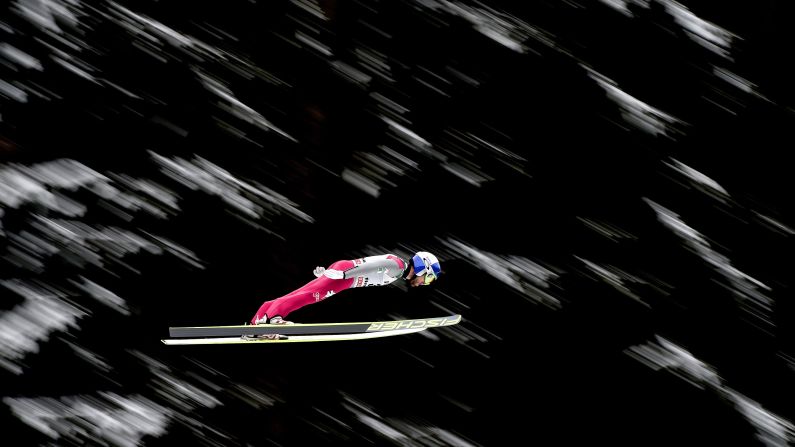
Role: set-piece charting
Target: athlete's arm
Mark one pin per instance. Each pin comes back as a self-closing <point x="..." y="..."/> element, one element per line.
<point x="372" y="265"/>
<point x="389" y="264"/>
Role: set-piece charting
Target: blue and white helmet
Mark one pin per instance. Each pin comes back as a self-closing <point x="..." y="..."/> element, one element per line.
<point x="426" y="264"/>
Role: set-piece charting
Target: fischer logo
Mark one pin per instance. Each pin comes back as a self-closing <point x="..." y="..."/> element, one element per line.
<point x="413" y="324"/>
<point x="316" y="296"/>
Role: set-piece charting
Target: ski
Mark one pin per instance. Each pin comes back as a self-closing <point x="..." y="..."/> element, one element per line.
<point x="312" y="329"/>
<point x="290" y="339"/>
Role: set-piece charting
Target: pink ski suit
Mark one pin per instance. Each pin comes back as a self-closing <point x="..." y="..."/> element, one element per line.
<point x="363" y="272"/>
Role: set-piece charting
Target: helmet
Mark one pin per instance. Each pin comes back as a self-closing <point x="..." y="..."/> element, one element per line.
<point x="426" y="264"/>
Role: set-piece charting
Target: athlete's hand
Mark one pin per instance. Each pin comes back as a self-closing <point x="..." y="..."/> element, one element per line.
<point x="334" y="274"/>
<point x="318" y="271"/>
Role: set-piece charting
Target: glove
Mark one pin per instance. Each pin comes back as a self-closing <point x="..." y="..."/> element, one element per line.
<point x="318" y="271"/>
<point x="334" y="274"/>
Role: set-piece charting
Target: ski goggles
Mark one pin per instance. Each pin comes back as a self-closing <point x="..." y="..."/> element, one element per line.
<point x="429" y="277"/>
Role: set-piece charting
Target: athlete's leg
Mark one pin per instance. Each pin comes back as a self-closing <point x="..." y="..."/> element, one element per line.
<point x="314" y="291"/>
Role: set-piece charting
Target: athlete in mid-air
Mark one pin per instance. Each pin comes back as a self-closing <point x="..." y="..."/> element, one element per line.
<point x="422" y="270"/>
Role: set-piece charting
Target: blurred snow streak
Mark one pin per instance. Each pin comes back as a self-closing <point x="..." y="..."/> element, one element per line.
<point x="771" y="430"/>
<point x="635" y="111"/>
<point x="700" y="181"/>
<point x="110" y="418"/>
<point x="704" y="33"/>
<point x="616" y="278"/>
<point x="400" y="431"/>
<point x="750" y="292"/>
<point x="107" y="417"/>
<point x="252" y="200"/>
<point x="499" y="26"/>
<point x="40" y="184"/>
<point x="521" y="274"/>
<point x="44" y="310"/>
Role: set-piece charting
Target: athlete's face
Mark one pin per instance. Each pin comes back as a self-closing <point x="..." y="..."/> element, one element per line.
<point x="415" y="281"/>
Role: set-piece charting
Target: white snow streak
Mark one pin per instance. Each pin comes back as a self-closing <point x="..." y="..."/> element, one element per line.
<point x="771" y="430"/>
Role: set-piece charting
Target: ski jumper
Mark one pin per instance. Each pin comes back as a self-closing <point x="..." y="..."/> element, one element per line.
<point x="363" y="272"/>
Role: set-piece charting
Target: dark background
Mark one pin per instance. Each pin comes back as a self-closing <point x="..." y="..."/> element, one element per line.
<point x="515" y="371"/>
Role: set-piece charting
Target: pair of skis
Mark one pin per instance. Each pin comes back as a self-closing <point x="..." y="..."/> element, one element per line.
<point x="296" y="333"/>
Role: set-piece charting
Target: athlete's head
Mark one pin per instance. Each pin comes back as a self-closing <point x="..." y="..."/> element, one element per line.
<point x="426" y="269"/>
